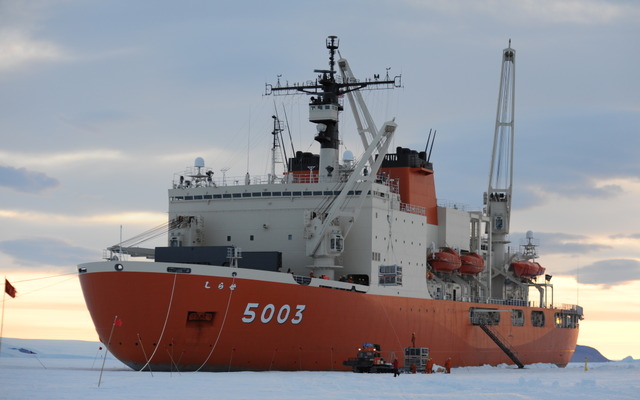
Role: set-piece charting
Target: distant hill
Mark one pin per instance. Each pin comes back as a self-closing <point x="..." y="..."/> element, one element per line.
<point x="589" y="352"/>
<point x="12" y="347"/>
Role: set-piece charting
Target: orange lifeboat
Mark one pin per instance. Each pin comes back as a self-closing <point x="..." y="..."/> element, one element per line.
<point x="446" y="260"/>
<point x="526" y="269"/>
<point x="472" y="264"/>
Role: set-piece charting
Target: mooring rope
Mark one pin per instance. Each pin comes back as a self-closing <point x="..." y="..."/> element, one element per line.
<point x="45" y="277"/>
<point x="164" y="327"/>
<point x="390" y="323"/>
<point x="113" y="327"/>
<point x="20" y="294"/>
<point x="144" y="352"/>
<point x="224" y="319"/>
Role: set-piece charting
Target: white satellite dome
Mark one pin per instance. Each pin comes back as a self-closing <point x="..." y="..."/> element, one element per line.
<point x="199" y="162"/>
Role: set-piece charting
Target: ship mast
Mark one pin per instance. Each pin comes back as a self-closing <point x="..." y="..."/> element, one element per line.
<point x="276" y="149"/>
<point x="498" y="196"/>
<point x="324" y="107"/>
<point x="326" y="229"/>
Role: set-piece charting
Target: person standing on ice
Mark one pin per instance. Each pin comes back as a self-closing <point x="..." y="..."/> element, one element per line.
<point x="447" y="365"/>
<point x="429" y="368"/>
<point x="395" y="368"/>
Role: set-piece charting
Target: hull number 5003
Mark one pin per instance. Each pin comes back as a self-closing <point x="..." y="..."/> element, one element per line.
<point x="268" y="313"/>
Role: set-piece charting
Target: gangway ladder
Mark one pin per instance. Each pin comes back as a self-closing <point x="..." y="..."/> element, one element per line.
<point x="502" y="343"/>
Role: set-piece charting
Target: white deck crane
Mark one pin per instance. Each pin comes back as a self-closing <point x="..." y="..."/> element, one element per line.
<point x="498" y="196"/>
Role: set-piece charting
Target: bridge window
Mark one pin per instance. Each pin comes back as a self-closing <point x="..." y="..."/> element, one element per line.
<point x="337" y="243"/>
<point x="537" y="318"/>
<point x="484" y="316"/>
<point x="566" y="320"/>
<point x="517" y="317"/>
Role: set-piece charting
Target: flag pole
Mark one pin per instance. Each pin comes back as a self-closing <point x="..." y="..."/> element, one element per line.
<point x="11" y="291"/>
<point x="4" y="297"/>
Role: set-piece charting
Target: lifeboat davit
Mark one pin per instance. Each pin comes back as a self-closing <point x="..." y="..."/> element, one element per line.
<point x="472" y="264"/>
<point x="445" y="260"/>
<point x="527" y="269"/>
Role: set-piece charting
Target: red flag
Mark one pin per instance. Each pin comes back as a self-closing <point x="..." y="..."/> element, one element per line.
<point x="9" y="289"/>
<point x="118" y="322"/>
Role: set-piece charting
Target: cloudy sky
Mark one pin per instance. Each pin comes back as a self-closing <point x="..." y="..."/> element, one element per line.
<point x="103" y="102"/>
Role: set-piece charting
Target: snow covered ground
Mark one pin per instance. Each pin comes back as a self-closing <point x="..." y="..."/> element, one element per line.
<point x="71" y="370"/>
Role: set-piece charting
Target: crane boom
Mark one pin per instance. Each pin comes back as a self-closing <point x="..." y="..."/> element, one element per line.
<point x="498" y="196"/>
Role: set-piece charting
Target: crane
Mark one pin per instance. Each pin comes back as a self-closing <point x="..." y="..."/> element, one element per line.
<point x="498" y="196"/>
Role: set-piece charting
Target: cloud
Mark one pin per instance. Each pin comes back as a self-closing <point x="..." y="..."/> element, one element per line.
<point x="79" y="156"/>
<point x="576" y="156"/>
<point x="133" y="218"/>
<point x="42" y="252"/>
<point x="574" y="11"/>
<point x="586" y="190"/>
<point x="19" y="50"/>
<point x="569" y="186"/>
<point x="20" y="23"/>
<point x="23" y="180"/>
<point x="609" y="272"/>
<point x="95" y="122"/>
<point x="625" y="236"/>
<point x="581" y="12"/>
<point x="561" y="243"/>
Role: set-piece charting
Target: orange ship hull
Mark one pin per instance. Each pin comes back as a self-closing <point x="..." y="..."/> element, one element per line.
<point x="175" y="321"/>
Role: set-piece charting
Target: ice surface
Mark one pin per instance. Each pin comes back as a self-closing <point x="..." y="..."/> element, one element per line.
<point x="71" y="370"/>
